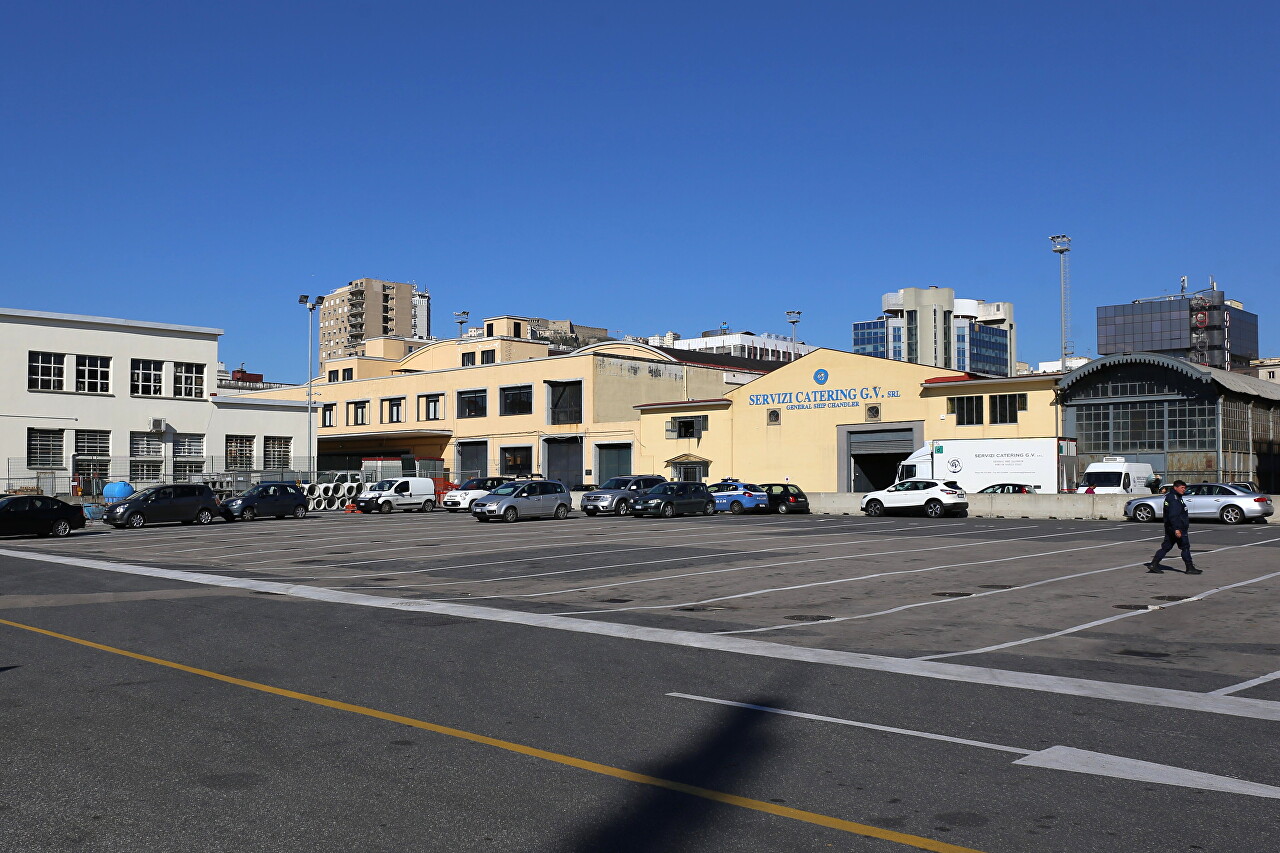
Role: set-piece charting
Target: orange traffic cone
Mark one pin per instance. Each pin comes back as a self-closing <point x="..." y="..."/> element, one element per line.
<point x="350" y="508"/>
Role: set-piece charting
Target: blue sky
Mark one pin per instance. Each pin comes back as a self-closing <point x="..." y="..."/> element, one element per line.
<point x="642" y="167"/>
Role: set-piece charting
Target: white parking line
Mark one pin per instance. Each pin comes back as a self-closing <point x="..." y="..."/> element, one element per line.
<point x="1245" y="685"/>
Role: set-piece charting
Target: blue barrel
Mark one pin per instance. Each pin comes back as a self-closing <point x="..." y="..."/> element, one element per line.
<point x="116" y="491"/>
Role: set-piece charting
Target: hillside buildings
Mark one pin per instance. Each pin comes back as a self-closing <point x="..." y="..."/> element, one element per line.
<point x="929" y="325"/>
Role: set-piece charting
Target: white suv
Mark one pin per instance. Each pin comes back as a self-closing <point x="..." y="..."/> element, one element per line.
<point x="935" y="498"/>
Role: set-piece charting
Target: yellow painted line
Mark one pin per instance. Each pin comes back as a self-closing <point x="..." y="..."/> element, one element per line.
<point x="918" y="842"/>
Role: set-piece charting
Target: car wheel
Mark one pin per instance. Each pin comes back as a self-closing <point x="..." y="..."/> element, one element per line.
<point x="562" y="511"/>
<point x="481" y="518"/>
<point x="737" y="508"/>
<point x="591" y="511"/>
<point x="60" y="528"/>
<point x="248" y="514"/>
<point x="1232" y="514"/>
<point x="668" y="510"/>
<point x="204" y="517"/>
<point x="509" y="514"/>
<point x="709" y="508"/>
<point x="623" y="507"/>
<point x="427" y="506"/>
<point x="934" y="509"/>
<point x="471" y="505"/>
<point x="875" y="509"/>
<point x="385" y="507"/>
<point x="136" y="520"/>
<point x="783" y="509"/>
<point x="1144" y="513"/>
<point x="300" y="511"/>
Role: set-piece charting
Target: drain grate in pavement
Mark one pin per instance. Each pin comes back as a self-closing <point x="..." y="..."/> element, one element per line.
<point x="952" y="594"/>
<point x="806" y="617"/>
<point x="1135" y="606"/>
<point x="1137" y="653"/>
<point x="617" y="600"/>
<point x="698" y="608"/>
<point x="995" y="586"/>
<point x="1171" y="597"/>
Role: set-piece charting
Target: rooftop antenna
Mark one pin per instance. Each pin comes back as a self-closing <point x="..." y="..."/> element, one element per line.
<point x="1184" y="285"/>
<point x="1062" y="245"/>
<point x="1213" y="285"/>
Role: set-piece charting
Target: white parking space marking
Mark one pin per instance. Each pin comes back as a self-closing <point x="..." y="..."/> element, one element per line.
<point x="1005" y="679"/>
<point x="933" y="601"/>
<point x="1131" y="613"/>
<point x="1245" y="685"/>
<point x="1054" y="758"/>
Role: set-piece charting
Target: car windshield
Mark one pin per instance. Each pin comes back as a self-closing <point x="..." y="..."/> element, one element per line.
<point x="1102" y="478"/>
<point x="952" y="484"/>
<point x="145" y="493"/>
<point x="724" y="487"/>
<point x="382" y="486"/>
<point x="4" y="502"/>
<point x="662" y="489"/>
<point x="507" y="489"/>
<point x="474" y="485"/>
<point x="617" y="483"/>
<point x="251" y="493"/>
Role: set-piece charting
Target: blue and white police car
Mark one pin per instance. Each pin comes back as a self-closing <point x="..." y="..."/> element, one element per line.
<point x="737" y="497"/>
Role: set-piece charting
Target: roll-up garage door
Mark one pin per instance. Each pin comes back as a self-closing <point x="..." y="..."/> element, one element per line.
<point x="883" y="441"/>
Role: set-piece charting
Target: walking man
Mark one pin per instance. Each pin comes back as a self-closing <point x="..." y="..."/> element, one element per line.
<point x="1176" y="522"/>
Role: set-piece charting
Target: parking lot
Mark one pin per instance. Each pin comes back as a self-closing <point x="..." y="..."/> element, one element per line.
<point x="1066" y="599"/>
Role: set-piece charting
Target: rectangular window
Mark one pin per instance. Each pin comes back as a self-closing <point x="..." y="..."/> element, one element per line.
<point x="358" y="413"/>
<point x="430" y="407"/>
<point x="145" y="444"/>
<point x="146" y="377"/>
<point x="144" y="471"/>
<point x="239" y="453"/>
<point x="277" y="452"/>
<point x="348" y="373"/>
<point x="517" y="401"/>
<point x="692" y="427"/>
<point x="488" y="356"/>
<point x="468" y="359"/>
<point x="333" y="376"/>
<point x="565" y="401"/>
<point x="326" y="414"/>
<point x="188" y="444"/>
<point x="93" y="374"/>
<point x="968" y="410"/>
<point x="393" y="410"/>
<point x="185" y="470"/>
<point x="45" y="371"/>
<point x="93" y="442"/>
<point x="473" y="404"/>
<point x="44" y="448"/>
<point x="1005" y="407"/>
<point x="517" y="461"/>
<point x="188" y="380"/>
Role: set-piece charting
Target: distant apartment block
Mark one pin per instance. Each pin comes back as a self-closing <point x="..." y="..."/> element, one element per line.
<point x="763" y="346"/>
<point x="371" y="308"/>
<point x="929" y="325"/>
<point x="1203" y="327"/>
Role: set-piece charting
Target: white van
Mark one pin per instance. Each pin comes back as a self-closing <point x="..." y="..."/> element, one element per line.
<point x="404" y="493"/>
<point x="1115" y="475"/>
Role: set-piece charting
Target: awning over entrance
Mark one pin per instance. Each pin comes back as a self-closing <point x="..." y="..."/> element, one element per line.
<point x="687" y="459"/>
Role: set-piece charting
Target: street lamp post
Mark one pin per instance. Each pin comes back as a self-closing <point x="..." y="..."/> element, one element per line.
<point x="461" y="318"/>
<point x="793" y="317"/>
<point x="306" y="300"/>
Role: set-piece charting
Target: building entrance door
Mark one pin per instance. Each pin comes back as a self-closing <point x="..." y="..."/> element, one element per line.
<point x="614" y="460"/>
<point x="563" y="458"/>
<point x="874" y="457"/>
<point x="473" y="460"/>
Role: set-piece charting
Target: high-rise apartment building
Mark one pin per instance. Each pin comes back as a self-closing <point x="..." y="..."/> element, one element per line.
<point x="371" y="308"/>
<point x="929" y="325"/>
<point x="1203" y="327"/>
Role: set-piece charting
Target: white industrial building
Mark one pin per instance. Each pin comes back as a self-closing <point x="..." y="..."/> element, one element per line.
<point x="106" y="399"/>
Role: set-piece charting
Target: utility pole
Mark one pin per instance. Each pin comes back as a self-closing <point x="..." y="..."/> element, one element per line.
<point x="1062" y="245"/>
<point x="304" y="299"/>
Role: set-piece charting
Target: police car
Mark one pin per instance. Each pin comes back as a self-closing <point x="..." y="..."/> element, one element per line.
<point x="737" y="497"/>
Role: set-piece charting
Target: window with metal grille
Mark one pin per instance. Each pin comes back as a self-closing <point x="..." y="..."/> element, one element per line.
<point x="968" y="410"/>
<point x="188" y="380"/>
<point x="145" y="444"/>
<point x="45" y="371"/>
<point x="393" y="410"/>
<point x="44" y="448"/>
<point x="239" y="452"/>
<point x="188" y="444"/>
<point x="144" y="471"/>
<point x="185" y="470"/>
<point x="93" y="442"/>
<point x="146" y="377"/>
<point x="93" y="374"/>
<point x="1005" y="407"/>
<point x="97" y="469"/>
<point x="473" y="404"/>
<point x="358" y="413"/>
<point x="430" y="407"/>
<point x="277" y="451"/>
<point x="517" y="401"/>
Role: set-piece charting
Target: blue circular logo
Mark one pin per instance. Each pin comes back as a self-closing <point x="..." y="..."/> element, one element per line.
<point x="820" y="376"/>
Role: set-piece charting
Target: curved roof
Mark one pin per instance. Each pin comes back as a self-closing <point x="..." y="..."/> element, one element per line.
<point x="1236" y="382"/>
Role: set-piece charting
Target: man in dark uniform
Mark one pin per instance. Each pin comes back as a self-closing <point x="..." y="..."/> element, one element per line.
<point x="1176" y="522"/>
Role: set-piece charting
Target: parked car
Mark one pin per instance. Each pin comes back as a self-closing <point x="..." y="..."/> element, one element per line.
<point x="737" y="497"/>
<point x="278" y="499"/>
<point x="1008" y="489"/>
<point x="675" y="498"/>
<point x="524" y="499"/>
<point x="616" y="493"/>
<point x="410" y="494"/>
<point x="935" y="498"/>
<point x="1247" y="486"/>
<point x="786" y="497"/>
<point x="189" y="503"/>
<point x="469" y="492"/>
<point x="40" y="515"/>
<point x="1229" y="503"/>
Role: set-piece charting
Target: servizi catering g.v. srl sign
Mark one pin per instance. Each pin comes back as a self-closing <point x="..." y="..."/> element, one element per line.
<point x="822" y="398"/>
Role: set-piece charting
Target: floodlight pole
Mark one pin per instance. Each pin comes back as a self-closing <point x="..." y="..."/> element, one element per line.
<point x="793" y="317"/>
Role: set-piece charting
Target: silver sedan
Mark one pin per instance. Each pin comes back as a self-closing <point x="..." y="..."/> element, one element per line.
<point x="1231" y="504"/>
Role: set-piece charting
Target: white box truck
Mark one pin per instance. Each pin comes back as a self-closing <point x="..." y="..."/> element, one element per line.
<point x="1045" y="464"/>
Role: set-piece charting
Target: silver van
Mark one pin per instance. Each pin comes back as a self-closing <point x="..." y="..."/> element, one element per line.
<point x="524" y="499"/>
<point x="404" y="493"/>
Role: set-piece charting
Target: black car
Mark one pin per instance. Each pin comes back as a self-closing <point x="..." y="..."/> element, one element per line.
<point x="190" y="503"/>
<point x="279" y="499"/>
<point x="785" y="498"/>
<point x="39" y="515"/>
<point x="676" y="498"/>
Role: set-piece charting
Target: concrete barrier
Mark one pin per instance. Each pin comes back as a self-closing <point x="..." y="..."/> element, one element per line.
<point x="1103" y="507"/>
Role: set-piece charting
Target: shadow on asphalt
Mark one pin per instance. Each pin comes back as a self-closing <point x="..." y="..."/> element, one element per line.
<point x="660" y="820"/>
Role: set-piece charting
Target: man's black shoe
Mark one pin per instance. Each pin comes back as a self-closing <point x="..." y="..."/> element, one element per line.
<point x="1153" y="568"/>
<point x="1194" y="571"/>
